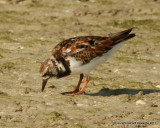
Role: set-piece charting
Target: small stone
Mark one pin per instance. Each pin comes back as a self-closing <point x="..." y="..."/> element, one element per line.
<point x="20" y="47"/>
<point x="80" y="105"/>
<point x="154" y="105"/>
<point x="52" y="86"/>
<point x="140" y="102"/>
<point x="42" y="38"/>
<point x="109" y="70"/>
<point x="134" y="52"/>
<point x="150" y="113"/>
<point x="116" y="70"/>
<point x="154" y="67"/>
<point x="158" y="86"/>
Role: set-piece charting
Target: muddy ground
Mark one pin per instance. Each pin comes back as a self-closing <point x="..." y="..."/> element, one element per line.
<point x="124" y="89"/>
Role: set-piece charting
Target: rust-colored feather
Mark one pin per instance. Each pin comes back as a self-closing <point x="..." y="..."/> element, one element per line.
<point x="86" y="48"/>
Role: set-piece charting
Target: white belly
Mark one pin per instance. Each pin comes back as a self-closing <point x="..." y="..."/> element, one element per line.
<point x="78" y="67"/>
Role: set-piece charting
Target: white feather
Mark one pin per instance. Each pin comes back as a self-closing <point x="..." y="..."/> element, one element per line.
<point x="78" y="67"/>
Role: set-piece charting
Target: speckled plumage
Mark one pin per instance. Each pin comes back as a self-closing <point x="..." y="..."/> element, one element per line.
<point x="81" y="55"/>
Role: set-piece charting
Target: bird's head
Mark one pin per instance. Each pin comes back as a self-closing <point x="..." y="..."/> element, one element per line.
<point x="47" y="70"/>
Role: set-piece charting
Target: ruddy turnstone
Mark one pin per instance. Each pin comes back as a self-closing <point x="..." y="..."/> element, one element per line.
<point x="80" y="55"/>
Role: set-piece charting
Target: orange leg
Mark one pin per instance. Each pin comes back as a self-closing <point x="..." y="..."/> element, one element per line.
<point x="83" y="88"/>
<point x="77" y="88"/>
<point x="79" y="83"/>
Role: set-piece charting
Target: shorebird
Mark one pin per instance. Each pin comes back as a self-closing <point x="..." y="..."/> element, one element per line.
<point x="80" y="55"/>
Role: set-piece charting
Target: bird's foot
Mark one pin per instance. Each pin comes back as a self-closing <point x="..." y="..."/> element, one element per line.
<point x="73" y="93"/>
<point x="66" y="93"/>
<point x="76" y="93"/>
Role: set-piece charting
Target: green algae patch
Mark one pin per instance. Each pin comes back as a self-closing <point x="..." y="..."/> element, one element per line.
<point x="8" y="66"/>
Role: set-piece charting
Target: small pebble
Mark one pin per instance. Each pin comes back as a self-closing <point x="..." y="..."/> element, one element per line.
<point x="150" y="113"/>
<point x="42" y="38"/>
<point x="20" y="47"/>
<point x="109" y="115"/>
<point x="154" y="67"/>
<point x="154" y="105"/>
<point x="116" y="70"/>
<point x="140" y="102"/>
<point x="158" y="86"/>
<point x="80" y="105"/>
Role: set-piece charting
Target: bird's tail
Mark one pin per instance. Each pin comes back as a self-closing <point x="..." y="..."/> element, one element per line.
<point x="121" y="36"/>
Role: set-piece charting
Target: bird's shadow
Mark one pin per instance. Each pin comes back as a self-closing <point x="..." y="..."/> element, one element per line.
<point x="109" y="92"/>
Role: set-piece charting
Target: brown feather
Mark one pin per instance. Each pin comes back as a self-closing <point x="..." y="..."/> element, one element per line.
<point x="88" y="47"/>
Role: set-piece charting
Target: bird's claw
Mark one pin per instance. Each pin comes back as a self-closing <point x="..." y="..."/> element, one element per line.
<point x="73" y="93"/>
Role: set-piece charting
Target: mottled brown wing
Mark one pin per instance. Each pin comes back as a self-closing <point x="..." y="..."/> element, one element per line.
<point x="85" y="48"/>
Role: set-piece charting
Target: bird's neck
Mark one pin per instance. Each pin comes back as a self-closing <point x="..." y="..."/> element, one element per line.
<point x="62" y="66"/>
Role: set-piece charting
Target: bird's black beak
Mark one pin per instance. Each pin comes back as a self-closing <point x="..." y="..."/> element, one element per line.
<point x="44" y="82"/>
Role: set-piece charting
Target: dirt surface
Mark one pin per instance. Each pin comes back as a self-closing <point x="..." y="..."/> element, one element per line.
<point x="125" y="89"/>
